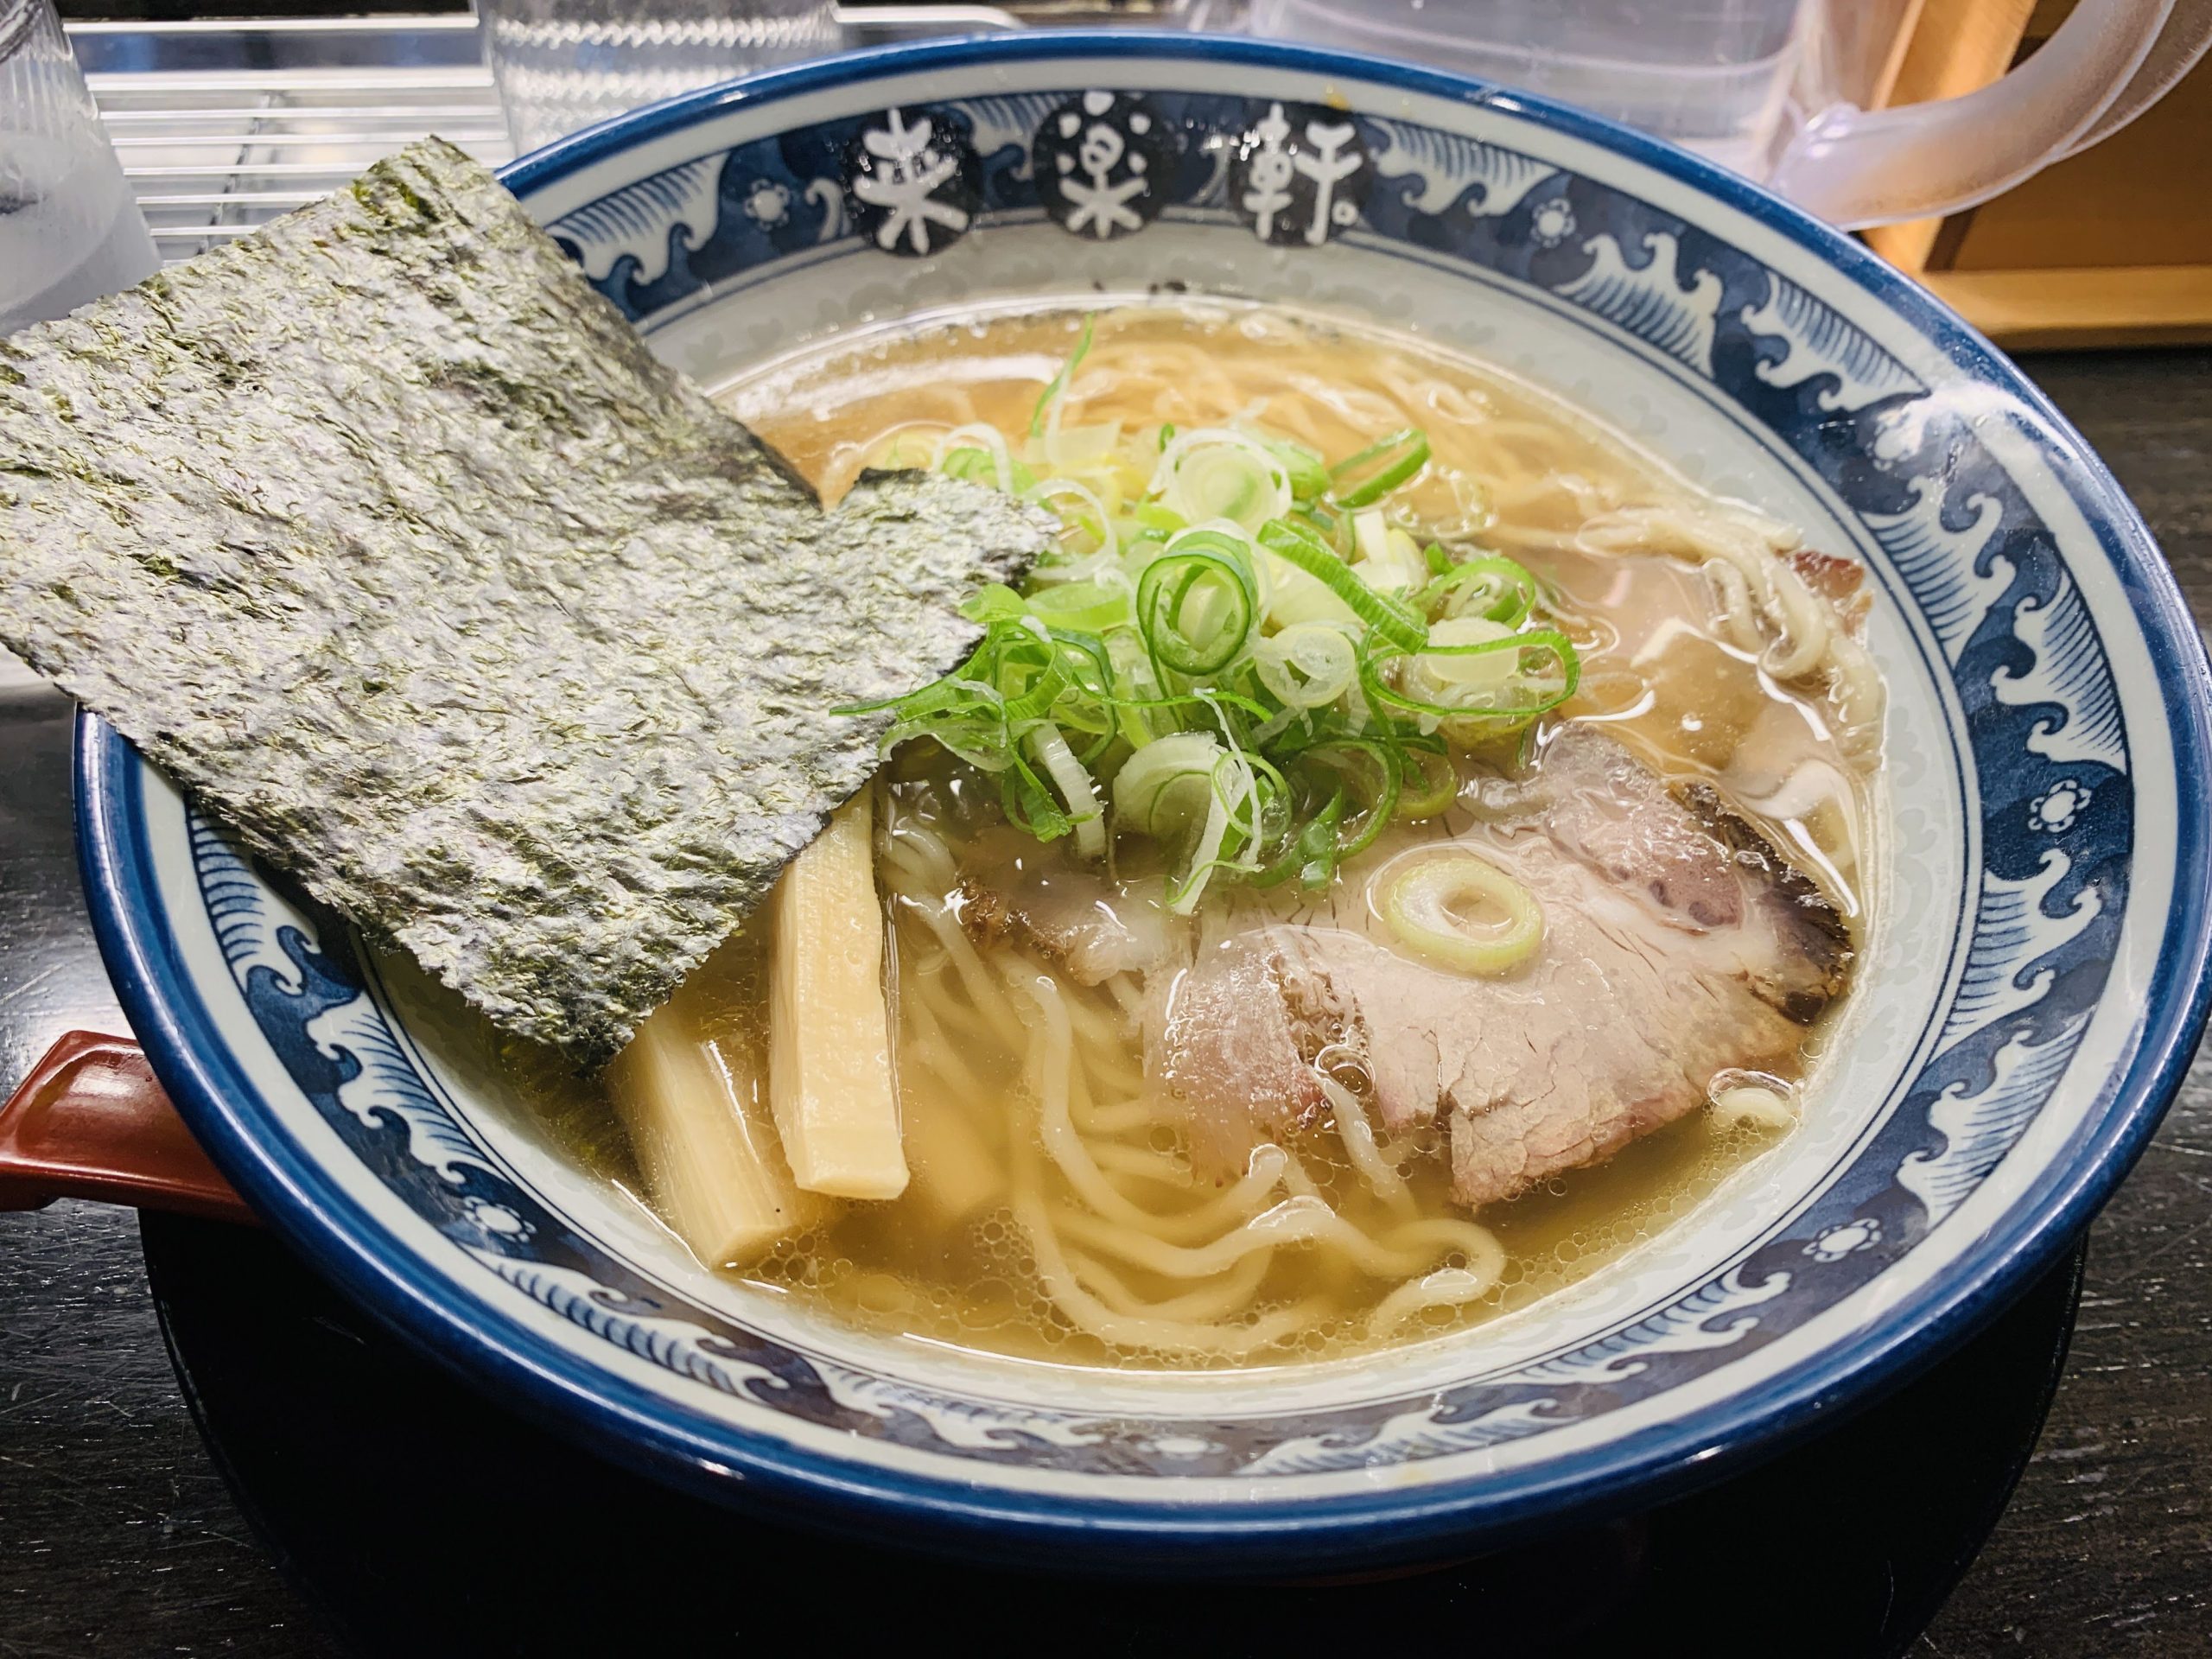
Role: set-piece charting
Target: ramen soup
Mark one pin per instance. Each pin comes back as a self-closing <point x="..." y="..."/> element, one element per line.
<point x="1400" y="850"/>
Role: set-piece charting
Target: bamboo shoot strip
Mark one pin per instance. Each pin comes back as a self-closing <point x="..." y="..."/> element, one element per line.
<point x="828" y="1031"/>
<point x="694" y="1099"/>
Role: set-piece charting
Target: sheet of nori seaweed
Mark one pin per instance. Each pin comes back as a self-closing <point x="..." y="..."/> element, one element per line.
<point x="387" y="537"/>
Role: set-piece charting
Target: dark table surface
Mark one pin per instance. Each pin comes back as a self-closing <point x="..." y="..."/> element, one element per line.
<point x="119" y="1533"/>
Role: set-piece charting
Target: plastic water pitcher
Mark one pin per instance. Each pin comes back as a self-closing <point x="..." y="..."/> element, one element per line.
<point x="69" y="228"/>
<point x="1764" y="87"/>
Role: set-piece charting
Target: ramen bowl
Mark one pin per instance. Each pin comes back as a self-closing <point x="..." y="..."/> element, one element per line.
<point x="2027" y="1000"/>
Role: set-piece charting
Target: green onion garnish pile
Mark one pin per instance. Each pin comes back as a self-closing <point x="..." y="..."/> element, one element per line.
<point x="1237" y="652"/>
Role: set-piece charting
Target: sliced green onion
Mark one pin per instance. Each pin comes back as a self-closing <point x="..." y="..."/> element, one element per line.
<point x="1185" y="890"/>
<point x="1301" y="548"/>
<point x="1261" y="815"/>
<point x="1307" y="472"/>
<point x="1242" y="665"/>
<point x="1314" y="853"/>
<point x="1294" y="597"/>
<point x="968" y="717"/>
<point x="1365" y="479"/>
<point x="1467" y="661"/>
<point x="1048" y="403"/>
<point x="1332" y="528"/>
<point x="1390" y="560"/>
<point x="977" y="466"/>
<point x="1154" y="517"/>
<point x="1432" y="785"/>
<point x="1426" y="906"/>
<point x="1078" y="795"/>
<point x="1543" y="673"/>
<point x="1029" y="802"/>
<point x="993" y="602"/>
<point x="1197" y="603"/>
<point x="1098" y="524"/>
<point x="1235" y="815"/>
<point x="1164" y="787"/>
<point x="978" y="452"/>
<point x="1309" y="665"/>
<point x="1497" y="590"/>
<point x="1138" y="686"/>
<point x="903" y="450"/>
<point x="1094" y="606"/>
<point x="1048" y="675"/>
<point x="1349" y="758"/>
<point x="1216" y="472"/>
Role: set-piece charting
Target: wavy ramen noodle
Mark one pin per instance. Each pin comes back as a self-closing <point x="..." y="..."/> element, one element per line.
<point x="1397" y="852"/>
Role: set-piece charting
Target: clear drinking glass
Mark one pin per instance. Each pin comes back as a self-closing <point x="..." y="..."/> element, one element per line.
<point x="69" y="228"/>
<point x="564" y="64"/>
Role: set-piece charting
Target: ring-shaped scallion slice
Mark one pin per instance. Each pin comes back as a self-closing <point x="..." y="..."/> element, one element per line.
<point x="1167" y="787"/>
<point x="1079" y="794"/>
<point x="1361" y="479"/>
<point x="1185" y="890"/>
<point x="1236" y="811"/>
<point x="1425" y="904"/>
<point x="1530" y="690"/>
<point x="977" y="436"/>
<point x="1385" y="617"/>
<point x="965" y="716"/>
<point x="1311" y="854"/>
<point x="1110" y="544"/>
<point x="1389" y="560"/>
<point x="1261" y="818"/>
<point x="1307" y="472"/>
<point x="1333" y="529"/>
<point x="1467" y="660"/>
<point x="1197" y="603"/>
<point x="1345" y="760"/>
<point x="1103" y="602"/>
<point x="1164" y="785"/>
<point x="1307" y="666"/>
<point x="1217" y="472"/>
<point x="1495" y="589"/>
<point x="1157" y="520"/>
<point x="1431" y="785"/>
<point x="1077" y="450"/>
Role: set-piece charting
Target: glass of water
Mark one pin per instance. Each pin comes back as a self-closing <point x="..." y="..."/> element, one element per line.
<point x="564" y="64"/>
<point x="69" y="229"/>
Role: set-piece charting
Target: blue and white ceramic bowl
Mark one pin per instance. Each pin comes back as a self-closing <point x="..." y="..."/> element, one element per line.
<point x="2027" y="1004"/>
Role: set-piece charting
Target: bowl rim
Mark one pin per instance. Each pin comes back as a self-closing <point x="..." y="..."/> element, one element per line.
<point x="304" y="1204"/>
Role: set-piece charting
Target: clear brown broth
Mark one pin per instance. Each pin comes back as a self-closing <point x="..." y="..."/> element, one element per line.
<point x="1510" y="465"/>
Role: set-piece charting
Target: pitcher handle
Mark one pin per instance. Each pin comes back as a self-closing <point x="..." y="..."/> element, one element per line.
<point x="92" y="1122"/>
<point x="2109" y="61"/>
<point x="2180" y="47"/>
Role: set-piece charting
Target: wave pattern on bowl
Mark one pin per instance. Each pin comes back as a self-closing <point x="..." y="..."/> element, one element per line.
<point x="2041" y="716"/>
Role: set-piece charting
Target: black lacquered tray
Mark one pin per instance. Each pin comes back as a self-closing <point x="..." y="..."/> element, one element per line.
<point x="421" y="1518"/>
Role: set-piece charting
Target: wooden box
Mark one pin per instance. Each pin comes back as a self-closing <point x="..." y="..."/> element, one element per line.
<point x="2112" y="246"/>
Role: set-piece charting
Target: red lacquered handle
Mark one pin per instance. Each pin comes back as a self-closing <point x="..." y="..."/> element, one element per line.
<point x="91" y="1122"/>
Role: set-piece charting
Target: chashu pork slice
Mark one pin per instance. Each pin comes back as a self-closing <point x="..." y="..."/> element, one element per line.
<point x="1066" y="912"/>
<point x="1677" y="944"/>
